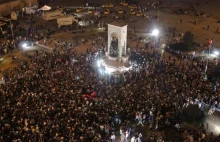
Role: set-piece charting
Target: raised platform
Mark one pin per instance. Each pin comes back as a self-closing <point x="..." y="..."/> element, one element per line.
<point x="113" y="64"/>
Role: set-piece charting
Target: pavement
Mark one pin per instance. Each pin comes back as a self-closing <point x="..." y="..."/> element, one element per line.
<point x="168" y="18"/>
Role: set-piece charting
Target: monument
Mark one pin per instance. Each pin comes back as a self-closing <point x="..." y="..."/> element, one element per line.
<point x="116" y="57"/>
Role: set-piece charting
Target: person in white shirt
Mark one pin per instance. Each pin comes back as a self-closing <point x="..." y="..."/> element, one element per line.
<point x="140" y="121"/>
<point x="122" y="137"/>
<point x="133" y="139"/>
<point x="139" y="137"/>
<point x="113" y="137"/>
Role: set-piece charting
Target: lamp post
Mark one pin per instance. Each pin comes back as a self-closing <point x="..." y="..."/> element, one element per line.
<point x="155" y="33"/>
<point x="158" y="15"/>
<point x="207" y="62"/>
<point x="12" y="33"/>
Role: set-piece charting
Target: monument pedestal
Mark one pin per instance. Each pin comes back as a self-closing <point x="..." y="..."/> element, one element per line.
<point x="116" y="59"/>
<point x="115" y="64"/>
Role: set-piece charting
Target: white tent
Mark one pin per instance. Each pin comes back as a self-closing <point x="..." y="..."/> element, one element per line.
<point x="14" y="16"/>
<point x="66" y="20"/>
<point x="45" y="8"/>
<point x="52" y="15"/>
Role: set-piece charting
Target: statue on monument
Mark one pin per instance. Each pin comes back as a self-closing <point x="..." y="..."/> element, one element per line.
<point x="114" y="47"/>
<point x="116" y="58"/>
<point x="123" y="50"/>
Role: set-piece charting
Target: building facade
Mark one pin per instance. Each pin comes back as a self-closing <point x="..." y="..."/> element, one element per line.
<point x="15" y="5"/>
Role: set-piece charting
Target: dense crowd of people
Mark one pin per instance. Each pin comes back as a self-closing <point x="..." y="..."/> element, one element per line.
<point x="50" y="98"/>
<point x="43" y="100"/>
<point x="6" y="47"/>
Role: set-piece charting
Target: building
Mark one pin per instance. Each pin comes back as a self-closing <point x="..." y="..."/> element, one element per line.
<point x="7" y="6"/>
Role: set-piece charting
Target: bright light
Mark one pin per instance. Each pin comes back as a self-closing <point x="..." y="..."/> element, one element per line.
<point x="74" y="60"/>
<point x="24" y="45"/>
<point x="155" y="32"/>
<point x="162" y="51"/>
<point x="217" y="129"/>
<point x="109" y="69"/>
<point x="81" y="23"/>
<point x="216" y="53"/>
<point x="98" y="63"/>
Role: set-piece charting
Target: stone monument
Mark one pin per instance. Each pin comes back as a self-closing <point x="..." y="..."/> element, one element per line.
<point x="116" y="58"/>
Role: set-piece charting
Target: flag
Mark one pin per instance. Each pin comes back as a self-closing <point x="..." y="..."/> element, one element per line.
<point x="209" y="41"/>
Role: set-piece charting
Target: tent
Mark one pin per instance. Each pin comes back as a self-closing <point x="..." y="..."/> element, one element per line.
<point x="45" y="8"/>
<point x="65" y="20"/>
<point x="52" y="15"/>
<point x="14" y="15"/>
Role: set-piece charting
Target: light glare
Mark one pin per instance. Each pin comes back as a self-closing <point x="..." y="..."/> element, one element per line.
<point x="155" y="32"/>
<point x="24" y="45"/>
<point x="216" y="53"/>
<point x="98" y="63"/>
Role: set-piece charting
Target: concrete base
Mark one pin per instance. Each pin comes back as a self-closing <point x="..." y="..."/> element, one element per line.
<point x="113" y="64"/>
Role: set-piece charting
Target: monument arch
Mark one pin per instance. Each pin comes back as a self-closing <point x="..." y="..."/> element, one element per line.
<point x="116" y="58"/>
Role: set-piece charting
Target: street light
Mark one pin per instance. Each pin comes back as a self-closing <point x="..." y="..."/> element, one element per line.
<point x="12" y="33"/>
<point x="207" y="62"/>
<point x="24" y="45"/>
<point x="155" y="32"/>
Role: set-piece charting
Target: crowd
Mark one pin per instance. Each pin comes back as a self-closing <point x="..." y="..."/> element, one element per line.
<point x="6" y="47"/>
<point x="42" y="100"/>
<point x="22" y="34"/>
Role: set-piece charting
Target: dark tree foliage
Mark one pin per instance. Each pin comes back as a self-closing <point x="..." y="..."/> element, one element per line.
<point x="192" y="113"/>
<point x="188" y="40"/>
<point x="187" y="43"/>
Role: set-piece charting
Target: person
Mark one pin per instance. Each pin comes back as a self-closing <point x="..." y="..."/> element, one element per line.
<point x="140" y="121"/>
<point x="139" y="137"/>
<point x="211" y="110"/>
<point x="113" y="137"/>
<point x="177" y="126"/>
<point x="133" y="139"/>
<point x="122" y="137"/>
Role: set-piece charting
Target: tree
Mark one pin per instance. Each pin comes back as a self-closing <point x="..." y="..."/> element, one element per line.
<point x="187" y="43"/>
<point x="192" y="113"/>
